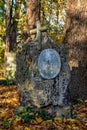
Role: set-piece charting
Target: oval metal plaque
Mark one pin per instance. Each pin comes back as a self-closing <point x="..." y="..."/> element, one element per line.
<point x="49" y="63"/>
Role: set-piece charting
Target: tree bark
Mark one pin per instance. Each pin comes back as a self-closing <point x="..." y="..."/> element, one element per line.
<point x="11" y="25"/>
<point x="14" y="24"/>
<point x="32" y="14"/>
<point x="8" y="27"/>
<point x="76" y="43"/>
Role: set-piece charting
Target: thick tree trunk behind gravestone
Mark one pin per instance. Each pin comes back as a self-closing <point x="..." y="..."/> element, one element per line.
<point x="32" y="14"/>
<point x="76" y="42"/>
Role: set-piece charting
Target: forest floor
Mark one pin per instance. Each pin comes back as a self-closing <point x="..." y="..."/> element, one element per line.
<point x="22" y="120"/>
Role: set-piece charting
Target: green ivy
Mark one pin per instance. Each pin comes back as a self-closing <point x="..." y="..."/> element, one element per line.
<point x="28" y="113"/>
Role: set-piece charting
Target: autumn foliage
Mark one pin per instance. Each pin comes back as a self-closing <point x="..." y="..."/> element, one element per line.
<point x="26" y="118"/>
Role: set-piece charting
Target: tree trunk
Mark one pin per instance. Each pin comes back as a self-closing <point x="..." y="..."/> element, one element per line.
<point x="32" y="14"/>
<point x="8" y="27"/>
<point x="14" y="24"/>
<point x="76" y="43"/>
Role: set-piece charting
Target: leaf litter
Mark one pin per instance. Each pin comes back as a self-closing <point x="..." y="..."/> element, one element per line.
<point x="29" y="119"/>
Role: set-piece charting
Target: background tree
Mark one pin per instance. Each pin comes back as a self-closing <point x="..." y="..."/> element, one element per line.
<point x="53" y="16"/>
<point x="2" y="29"/>
<point x="8" y="27"/>
<point x="76" y="43"/>
<point x="2" y="21"/>
<point x="14" y="23"/>
<point x="13" y="17"/>
<point x="32" y="14"/>
<point x="50" y="12"/>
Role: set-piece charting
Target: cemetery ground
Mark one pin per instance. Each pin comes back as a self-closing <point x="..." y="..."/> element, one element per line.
<point x="27" y="118"/>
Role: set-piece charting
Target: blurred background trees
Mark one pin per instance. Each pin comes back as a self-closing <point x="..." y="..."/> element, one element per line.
<point x="66" y="21"/>
<point x="15" y="21"/>
<point x="18" y="17"/>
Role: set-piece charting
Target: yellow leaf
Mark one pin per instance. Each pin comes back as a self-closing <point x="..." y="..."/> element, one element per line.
<point x="34" y="122"/>
<point x="48" y="120"/>
<point x="59" y="120"/>
<point x="16" y="121"/>
<point x="59" y="1"/>
<point x="27" y="128"/>
<point x="5" y="113"/>
<point x="68" y="126"/>
<point x="75" y="128"/>
<point x="39" y="119"/>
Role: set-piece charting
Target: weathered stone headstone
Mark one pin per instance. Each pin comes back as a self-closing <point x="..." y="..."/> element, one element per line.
<point x="39" y="88"/>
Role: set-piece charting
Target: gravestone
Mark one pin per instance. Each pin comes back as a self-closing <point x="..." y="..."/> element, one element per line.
<point x="43" y="75"/>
